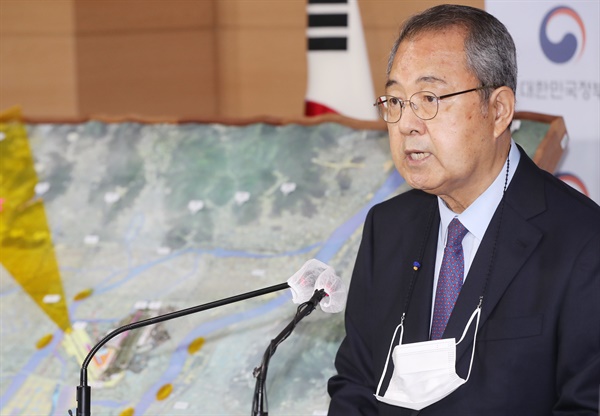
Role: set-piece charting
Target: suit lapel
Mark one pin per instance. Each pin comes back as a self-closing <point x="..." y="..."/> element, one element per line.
<point x="514" y="239"/>
<point x="418" y="316"/>
<point x="417" y="243"/>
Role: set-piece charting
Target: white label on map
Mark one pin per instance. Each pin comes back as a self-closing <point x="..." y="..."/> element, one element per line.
<point x="163" y="250"/>
<point x="73" y="137"/>
<point x="111" y="197"/>
<point x="241" y="197"/>
<point x="141" y="305"/>
<point x="287" y="188"/>
<point x="51" y="298"/>
<point x="516" y="125"/>
<point x="91" y="240"/>
<point x="180" y="405"/>
<point x="79" y="325"/>
<point x="41" y="188"/>
<point x="195" y="205"/>
<point x="154" y="305"/>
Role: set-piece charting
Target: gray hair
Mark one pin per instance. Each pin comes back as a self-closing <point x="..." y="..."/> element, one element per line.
<point x="489" y="48"/>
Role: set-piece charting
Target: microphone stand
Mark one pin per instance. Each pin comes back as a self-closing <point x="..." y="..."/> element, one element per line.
<point x="84" y="392"/>
<point x="259" y="402"/>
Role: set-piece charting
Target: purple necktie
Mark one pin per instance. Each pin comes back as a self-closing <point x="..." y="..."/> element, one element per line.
<point x="450" y="280"/>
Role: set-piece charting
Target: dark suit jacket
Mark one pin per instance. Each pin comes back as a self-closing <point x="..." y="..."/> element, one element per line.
<point x="538" y="346"/>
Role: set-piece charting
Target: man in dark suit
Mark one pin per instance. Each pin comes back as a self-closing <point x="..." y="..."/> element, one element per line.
<point x="526" y="261"/>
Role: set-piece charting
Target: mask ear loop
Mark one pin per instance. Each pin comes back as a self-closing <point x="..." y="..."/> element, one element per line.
<point x="387" y="360"/>
<point x="476" y="313"/>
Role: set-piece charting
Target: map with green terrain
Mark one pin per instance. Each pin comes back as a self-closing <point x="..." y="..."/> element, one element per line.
<point x="145" y="219"/>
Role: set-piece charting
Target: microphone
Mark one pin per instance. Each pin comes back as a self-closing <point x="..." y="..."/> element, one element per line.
<point x="302" y="283"/>
<point x="330" y="294"/>
<point x="334" y="288"/>
<point x="304" y="278"/>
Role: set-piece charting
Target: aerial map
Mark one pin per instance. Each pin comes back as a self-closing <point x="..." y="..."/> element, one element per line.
<point x="105" y="224"/>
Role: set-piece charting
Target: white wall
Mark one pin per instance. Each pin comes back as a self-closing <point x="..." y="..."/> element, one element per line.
<point x="559" y="73"/>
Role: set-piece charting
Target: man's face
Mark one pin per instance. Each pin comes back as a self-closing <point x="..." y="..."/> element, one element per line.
<point x="452" y="154"/>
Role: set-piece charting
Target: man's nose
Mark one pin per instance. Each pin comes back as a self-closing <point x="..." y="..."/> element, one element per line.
<point x="409" y="123"/>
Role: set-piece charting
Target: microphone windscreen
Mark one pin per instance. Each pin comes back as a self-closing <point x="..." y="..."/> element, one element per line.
<point x="302" y="283"/>
<point x="335" y="301"/>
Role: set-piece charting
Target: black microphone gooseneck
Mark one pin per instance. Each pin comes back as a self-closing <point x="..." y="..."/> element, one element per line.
<point x="84" y="392"/>
<point x="259" y="402"/>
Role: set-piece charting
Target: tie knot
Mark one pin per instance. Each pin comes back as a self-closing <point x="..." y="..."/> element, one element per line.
<point x="456" y="233"/>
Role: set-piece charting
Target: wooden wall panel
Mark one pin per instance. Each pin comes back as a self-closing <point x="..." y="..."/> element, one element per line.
<point x="147" y="74"/>
<point x="40" y="77"/>
<point x="109" y="16"/>
<point x="40" y="17"/>
<point x="261" y="72"/>
<point x="262" y="14"/>
<point x="37" y="57"/>
<point x="261" y="57"/>
<point x="146" y="58"/>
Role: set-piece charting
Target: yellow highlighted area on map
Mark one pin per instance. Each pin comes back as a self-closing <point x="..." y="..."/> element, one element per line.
<point x="196" y="345"/>
<point x="164" y="392"/>
<point x="44" y="341"/>
<point x="84" y="294"/>
<point x="130" y="411"/>
<point x="26" y="249"/>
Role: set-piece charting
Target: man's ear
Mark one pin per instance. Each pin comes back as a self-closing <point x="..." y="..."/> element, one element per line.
<point x="502" y="102"/>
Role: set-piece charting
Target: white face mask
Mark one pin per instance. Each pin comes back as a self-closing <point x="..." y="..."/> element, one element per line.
<point x="424" y="372"/>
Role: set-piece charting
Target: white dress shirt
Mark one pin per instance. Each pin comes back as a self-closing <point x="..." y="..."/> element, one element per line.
<point x="475" y="218"/>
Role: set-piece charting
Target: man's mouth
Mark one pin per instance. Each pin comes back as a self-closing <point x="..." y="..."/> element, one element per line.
<point x="418" y="155"/>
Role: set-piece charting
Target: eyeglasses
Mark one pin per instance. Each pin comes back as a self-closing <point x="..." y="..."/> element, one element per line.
<point x="424" y="104"/>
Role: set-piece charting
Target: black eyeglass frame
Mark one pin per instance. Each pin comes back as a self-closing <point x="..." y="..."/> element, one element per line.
<point x="403" y="102"/>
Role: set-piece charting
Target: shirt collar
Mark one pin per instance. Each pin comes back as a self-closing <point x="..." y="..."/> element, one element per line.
<point x="478" y="215"/>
